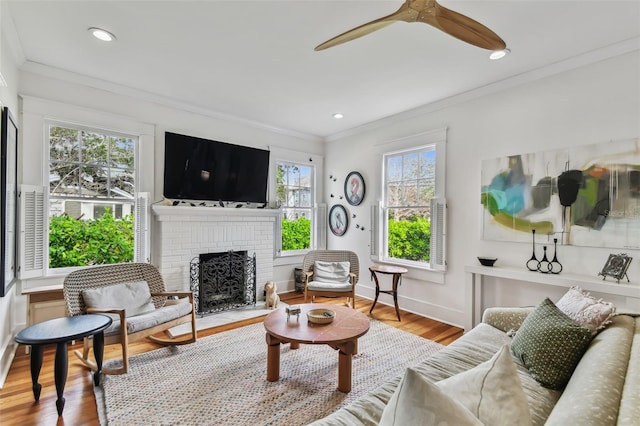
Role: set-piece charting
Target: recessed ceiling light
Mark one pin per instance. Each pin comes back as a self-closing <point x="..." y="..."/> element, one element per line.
<point x="101" y="34"/>
<point x="338" y="115"/>
<point x="499" y="54"/>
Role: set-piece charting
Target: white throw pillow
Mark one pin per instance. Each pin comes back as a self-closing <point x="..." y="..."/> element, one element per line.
<point x="586" y="310"/>
<point x="134" y="298"/>
<point x="331" y="272"/>
<point x="490" y="392"/>
<point x="417" y="401"/>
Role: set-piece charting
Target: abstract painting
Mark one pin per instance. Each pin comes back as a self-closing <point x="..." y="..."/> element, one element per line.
<point x="585" y="196"/>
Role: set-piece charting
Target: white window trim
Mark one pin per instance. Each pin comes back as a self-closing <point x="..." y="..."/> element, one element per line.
<point x="312" y="213"/>
<point x="436" y="138"/>
<point x="318" y="234"/>
<point x="37" y="115"/>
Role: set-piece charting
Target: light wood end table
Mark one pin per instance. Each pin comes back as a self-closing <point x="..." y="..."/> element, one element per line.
<point x="341" y="334"/>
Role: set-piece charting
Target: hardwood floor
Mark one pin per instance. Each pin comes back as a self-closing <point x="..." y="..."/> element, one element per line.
<point x="17" y="406"/>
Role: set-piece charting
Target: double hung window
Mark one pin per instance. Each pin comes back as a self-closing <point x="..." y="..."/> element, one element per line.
<point x="412" y="213"/>
<point x="92" y="196"/>
<point x="295" y="196"/>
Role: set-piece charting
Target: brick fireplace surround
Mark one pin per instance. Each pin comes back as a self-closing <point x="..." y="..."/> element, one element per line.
<point x="182" y="233"/>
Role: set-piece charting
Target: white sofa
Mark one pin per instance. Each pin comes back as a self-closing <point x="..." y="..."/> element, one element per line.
<point x="604" y="388"/>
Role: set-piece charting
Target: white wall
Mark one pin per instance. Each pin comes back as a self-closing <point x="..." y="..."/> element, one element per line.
<point x="593" y="104"/>
<point x="9" y="313"/>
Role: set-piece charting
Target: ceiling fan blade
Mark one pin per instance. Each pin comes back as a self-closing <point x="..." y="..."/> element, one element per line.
<point x="462" y="28"/>
<point x="403" y="14"/>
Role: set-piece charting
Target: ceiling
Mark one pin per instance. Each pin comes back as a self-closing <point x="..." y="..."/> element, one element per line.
<point x="255" y="60"/>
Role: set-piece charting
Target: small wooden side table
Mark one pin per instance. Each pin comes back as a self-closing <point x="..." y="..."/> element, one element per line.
<point x="397" y="272"/>
<point x="60" y="331"/>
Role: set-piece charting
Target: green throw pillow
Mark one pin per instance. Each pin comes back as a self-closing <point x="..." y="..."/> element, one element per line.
<point x="550" y="345"/>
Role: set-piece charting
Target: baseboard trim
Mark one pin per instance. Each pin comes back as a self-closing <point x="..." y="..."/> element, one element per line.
<point x="423" y="308"/>
<point x="8" y="354"/>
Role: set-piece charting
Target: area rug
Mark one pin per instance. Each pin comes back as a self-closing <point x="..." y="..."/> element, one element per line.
<point x="221" y="379"/>
<point x="222" y="318"/>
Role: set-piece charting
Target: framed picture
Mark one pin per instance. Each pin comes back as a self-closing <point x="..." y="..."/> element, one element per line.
<point x="8" y="200"/>
<point x="616" y="267"/>
<point x="354" y="188"/>
<point x="338" y="220"/>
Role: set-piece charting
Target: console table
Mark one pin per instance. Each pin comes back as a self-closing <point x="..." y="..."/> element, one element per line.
<point x="475" y="275"/>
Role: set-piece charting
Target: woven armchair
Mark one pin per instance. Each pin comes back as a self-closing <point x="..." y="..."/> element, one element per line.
<point x="125" y="330"/>
<point x="314" y="288"/>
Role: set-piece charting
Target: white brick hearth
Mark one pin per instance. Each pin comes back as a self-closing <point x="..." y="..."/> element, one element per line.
<point x="182" y="233"/>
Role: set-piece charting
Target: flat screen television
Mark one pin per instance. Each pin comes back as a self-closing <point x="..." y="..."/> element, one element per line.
<point x="203" y="169"/>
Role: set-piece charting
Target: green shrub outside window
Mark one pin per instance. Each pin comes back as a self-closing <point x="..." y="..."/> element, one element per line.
<point x="409" y="239"/>
<point x="296" y="234"/>
<point x="76" y="242"/>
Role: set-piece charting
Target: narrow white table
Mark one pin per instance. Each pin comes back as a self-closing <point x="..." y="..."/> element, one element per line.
<point x="475" y="275"/>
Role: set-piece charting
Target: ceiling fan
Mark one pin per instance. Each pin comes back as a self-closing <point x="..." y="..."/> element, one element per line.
<point x="432" y="13"/>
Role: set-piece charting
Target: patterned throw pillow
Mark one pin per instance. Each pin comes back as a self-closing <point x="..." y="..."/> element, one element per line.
<point x="586" y="310"/>
<point x="550" y="345"/>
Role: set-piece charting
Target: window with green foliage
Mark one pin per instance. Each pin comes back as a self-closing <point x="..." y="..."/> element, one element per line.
<point x="91" y="196"/>
<point x="294" y="192"/>
<point x="409" y="187"/>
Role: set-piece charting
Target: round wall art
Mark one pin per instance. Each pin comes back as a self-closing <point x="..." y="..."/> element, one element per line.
<point x="354" y="188"/>
<point x="338" y="220"/>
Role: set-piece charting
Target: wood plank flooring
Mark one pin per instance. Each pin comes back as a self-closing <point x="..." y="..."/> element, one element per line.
<point x="17" y="406"/>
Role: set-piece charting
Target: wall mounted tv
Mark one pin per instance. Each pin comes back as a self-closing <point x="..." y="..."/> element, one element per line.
<point x="202" y="169"/>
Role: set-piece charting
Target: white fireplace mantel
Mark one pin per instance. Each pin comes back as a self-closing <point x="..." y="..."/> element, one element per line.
<point x="198" y="213"/>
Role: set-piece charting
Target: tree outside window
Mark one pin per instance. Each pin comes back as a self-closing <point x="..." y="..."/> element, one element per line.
<point x="294" y="193"/>
<point x="91" y="197"/>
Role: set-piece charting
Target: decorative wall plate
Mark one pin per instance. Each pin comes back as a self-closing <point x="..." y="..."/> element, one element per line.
<point x="338" y="220"/>
<point x="354" y="188"/>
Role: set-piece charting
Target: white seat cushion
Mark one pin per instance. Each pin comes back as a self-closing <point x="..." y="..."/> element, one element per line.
<point x="150" y="319"/>
<point x="322" y="286"/>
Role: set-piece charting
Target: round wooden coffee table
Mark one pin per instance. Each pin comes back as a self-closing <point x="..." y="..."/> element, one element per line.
<point x="341" y="334"/>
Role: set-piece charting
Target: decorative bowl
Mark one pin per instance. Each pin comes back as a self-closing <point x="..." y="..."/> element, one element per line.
<point x="487" y="261"/>
<point x="321" y="316"/>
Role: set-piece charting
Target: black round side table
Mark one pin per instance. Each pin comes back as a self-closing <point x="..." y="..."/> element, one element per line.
<point x="61" y="331"/>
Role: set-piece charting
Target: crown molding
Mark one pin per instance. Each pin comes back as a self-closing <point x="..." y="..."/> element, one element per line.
<point x="71" y="77"/>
